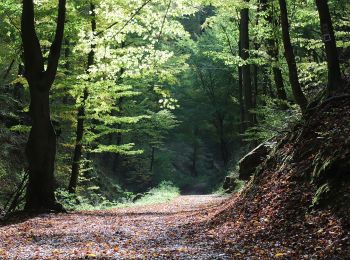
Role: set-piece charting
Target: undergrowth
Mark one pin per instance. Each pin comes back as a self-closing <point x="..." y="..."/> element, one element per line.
<point x="164" y="192"/>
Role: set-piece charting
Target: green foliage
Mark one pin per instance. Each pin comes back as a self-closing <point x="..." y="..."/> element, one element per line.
<point x="275" y="117"/>
<point x="163" y="97"/>
<point x="11" y="162"/>
<point x="320" y="195"/>
<point x="95" y="201"/>
<point x="164" y="192"/>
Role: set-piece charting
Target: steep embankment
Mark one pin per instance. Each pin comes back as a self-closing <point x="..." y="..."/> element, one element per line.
<point x="297" y="204"/>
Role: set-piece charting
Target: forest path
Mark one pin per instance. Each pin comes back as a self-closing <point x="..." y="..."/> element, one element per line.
<point x="161" y="231"/>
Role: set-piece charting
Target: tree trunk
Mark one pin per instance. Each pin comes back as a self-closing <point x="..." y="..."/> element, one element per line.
<point x="240" y="94"/>
<point x="272" y="51"/>
<point x="223" y="144"/>
<point x="152" y="158"/>
<point x="117" y="157"/>
<point x="78" y="146"/>
<point x="41" y="152"/>
<point x="298" y="94"/>
<point x="81" y="115"/>
<point x="255" y="92"/>
<point x="41" y="145"/>
<point x="194" y="159"/>
<point x="246" y="76"/>
<point x="194" y="152"/>
<point x="278" y="78"/>
<point x="18" y="88"/>
<point x="334" y="75"/>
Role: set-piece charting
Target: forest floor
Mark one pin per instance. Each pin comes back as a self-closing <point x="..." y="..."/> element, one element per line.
<point x="160" y="231"/>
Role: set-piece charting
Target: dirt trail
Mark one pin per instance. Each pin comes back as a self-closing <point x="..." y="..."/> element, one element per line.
<point x="162" y="231"/>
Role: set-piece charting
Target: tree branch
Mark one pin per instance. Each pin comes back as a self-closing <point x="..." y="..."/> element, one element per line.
<point x="138" y="10"/>
<point x="56" y="45"/>
<point x="228" y="40"/>
<point x="8" y="70"/>
<point x="34" y="61"/>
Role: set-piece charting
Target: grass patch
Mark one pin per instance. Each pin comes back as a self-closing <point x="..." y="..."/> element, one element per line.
<point x="164" y="192"/>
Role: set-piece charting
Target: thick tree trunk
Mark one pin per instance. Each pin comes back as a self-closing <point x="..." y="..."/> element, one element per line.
<point x="78" y="150"/>
<point x="41" y="152"/>
<point x="298" y="94"/>
<point x="246" y="76"/>
<point x="41" y="145"/>
<point x="334" y="75"/>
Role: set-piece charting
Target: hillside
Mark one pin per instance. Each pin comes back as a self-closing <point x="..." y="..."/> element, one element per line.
<point x="297" y="204"/>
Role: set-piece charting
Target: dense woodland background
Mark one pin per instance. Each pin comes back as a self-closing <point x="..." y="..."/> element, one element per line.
<point x="155" y="93"/>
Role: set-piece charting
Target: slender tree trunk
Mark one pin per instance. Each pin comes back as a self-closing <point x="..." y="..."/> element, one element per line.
<point x="255" y="92"/>
<point x="18" y="88"/>
<point x="298" y="94"/>
<point x="277" y="72"/>
<point x="278" y="78"/>
<point x="334" y="75"/>
<point x="117" y="157"/>
<point x="240" y="93"/>
<point x="41" y="145"/>
<point x="246" y="76"/>
<point x="272" y="50"/>
<point x="194" y="159"/>
<point x="223" y="144"/>
<point x="152" y="158"/>
<point x="78" y="146"/>
<point x="81" y="115"/>
<point x="194" y="152"/>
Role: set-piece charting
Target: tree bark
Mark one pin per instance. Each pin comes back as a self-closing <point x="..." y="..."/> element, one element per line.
<point x="41" y="145"/>
<point x="195" y="148"/>
<point x="278" y="78"/>
<point x="240" y="94"/>
<point x="223" y="143"/>
<point x="334" y="75"/>
<point x="255" y="90"/>
<point x="81" y="114"/>
<point x="153" y="149"/>
<point x="272" y="51"/>
<point x="246" y="76"/>
<point x="40" y="151"/>
<point x="298" y="94"/>
<point x="117" y="157"/>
